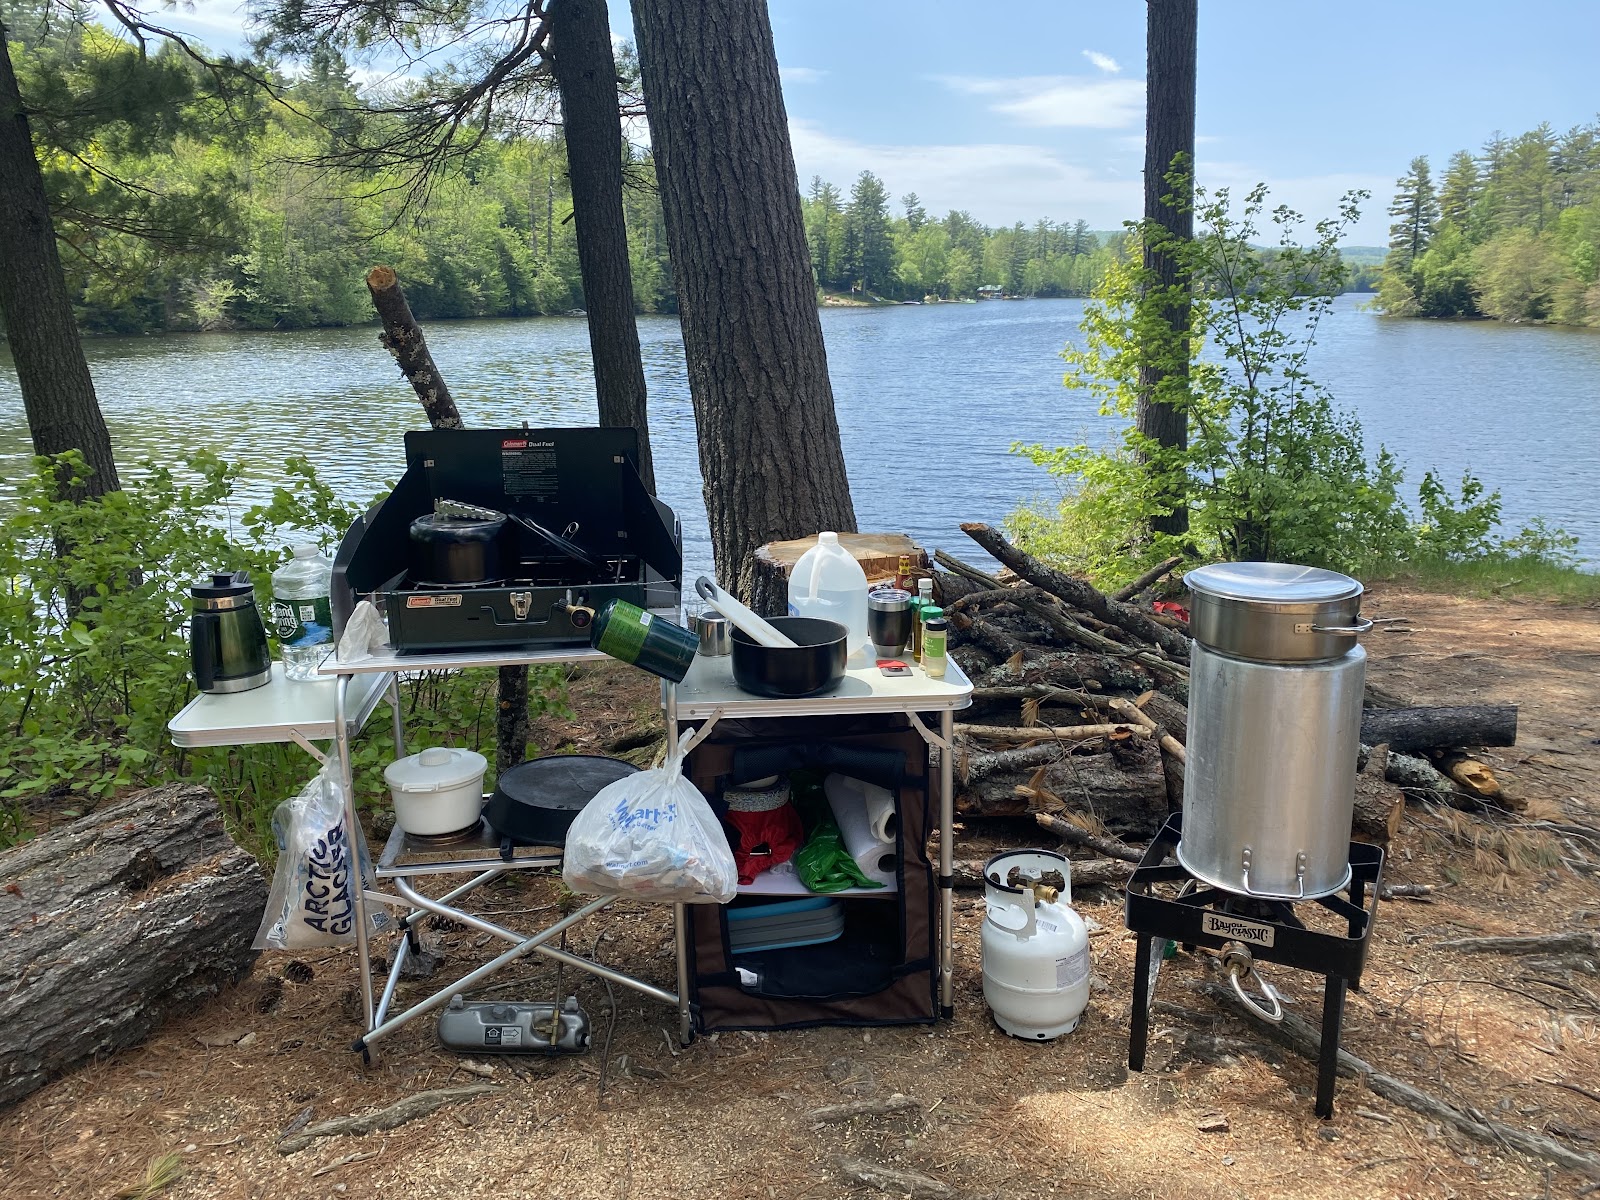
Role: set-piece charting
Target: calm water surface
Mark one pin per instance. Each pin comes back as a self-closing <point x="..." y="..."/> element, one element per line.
<point x="930" y="400"/>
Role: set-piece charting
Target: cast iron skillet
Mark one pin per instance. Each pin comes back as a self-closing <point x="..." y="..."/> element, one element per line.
<point x="814" y="664"/>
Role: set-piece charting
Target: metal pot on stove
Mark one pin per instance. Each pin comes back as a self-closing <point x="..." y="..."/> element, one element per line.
<point x="453" y="547"/>
<point x="1275" y="687"/>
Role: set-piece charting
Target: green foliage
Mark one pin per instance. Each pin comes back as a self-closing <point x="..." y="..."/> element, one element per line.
<point x="1513" y="234"/>
<point x="94" y="653"/>
<point x="1273" y="468"/>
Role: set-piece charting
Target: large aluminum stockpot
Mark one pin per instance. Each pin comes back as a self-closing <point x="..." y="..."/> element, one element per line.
<point x="1269" y="787"/>
<point x="1274" y="612"/>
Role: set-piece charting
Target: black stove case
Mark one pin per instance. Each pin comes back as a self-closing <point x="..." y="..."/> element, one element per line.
<point x="580" y="482"/>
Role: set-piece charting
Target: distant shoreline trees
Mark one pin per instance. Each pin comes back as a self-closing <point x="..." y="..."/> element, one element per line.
<point x="1511" y="233"/>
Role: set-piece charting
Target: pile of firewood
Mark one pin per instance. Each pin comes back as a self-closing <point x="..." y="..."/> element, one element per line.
<point x="1079" y="711"/>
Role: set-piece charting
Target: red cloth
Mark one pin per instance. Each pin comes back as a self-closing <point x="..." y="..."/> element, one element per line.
<point x="765" y="839"/>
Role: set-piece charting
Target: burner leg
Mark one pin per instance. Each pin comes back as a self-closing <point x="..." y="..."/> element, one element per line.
<point x="1139" y="1023"/>
<point x="1328" y="1061"/>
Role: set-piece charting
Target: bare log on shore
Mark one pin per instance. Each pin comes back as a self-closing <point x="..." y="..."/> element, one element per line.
<point x="402" y="337"/>
<point x="112" y="924"/>
<point x="1412" y="729"/>
<point x="1078" y="592"/>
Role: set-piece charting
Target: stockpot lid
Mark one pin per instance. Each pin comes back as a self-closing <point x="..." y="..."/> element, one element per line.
<point x="437" y="769"/>
<point x="1271" y="583"/>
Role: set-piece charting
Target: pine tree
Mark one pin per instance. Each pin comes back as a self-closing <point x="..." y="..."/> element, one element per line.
<point x="1417" y="213"/>
<point x="916" y="215"/>
<point x="824" y="217"/>
<point x="869" y="216"/>
<point x="1459" y="189"/>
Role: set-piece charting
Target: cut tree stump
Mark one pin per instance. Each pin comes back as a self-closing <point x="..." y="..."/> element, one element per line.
<point x="878" y="553"/>
<point x="112" y="924"/>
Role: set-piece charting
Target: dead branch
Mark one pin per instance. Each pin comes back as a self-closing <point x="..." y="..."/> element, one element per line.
<point x="834" y="1114"/>
<point x="1068" y="832"/>
<point x="418" y="1104"/>
<point x="1151" y="576"/>
<point x="895" y="1181"/>
<point x="1038" y="733"/>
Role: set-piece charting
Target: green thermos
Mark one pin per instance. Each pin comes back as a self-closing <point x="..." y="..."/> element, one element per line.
<point x="642" y="639"/>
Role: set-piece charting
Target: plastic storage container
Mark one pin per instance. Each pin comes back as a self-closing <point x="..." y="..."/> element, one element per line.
<point x="437" y="791"/>
<point x="301" y="615"/>
<point x="829" y="583"/>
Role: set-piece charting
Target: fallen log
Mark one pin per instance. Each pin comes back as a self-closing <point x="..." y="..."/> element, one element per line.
<point x="1159" y="571"/>
<point x="1419" y="778"/>
<point x="402" y="338"/>
<point x="1126" y="792"/>
<point x="1411" y="729"/>
<point x="112" y="924"/>
<point x="1045" y="733"/>
<point x="1068" y="832"/>
<point x="1379" y="805"/>
<point x="1172" y="715"/>
<point x="418" y="1104"/>
<point x="973" y="765"/>
<point x="1077" y="592"/>
<point x="1042" y="692"/>
<point x="1085" y="873"/>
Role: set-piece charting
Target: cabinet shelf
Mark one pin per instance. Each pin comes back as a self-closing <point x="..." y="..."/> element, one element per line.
<point x="781" y="881"/>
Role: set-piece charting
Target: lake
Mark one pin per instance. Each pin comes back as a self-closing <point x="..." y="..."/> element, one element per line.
<point x="930" y="399"/>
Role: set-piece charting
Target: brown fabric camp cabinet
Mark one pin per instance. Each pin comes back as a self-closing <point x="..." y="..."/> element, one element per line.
<point x="882" y="969"/>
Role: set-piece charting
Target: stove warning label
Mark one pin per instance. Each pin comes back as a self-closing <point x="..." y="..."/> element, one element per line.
<point x="1252" y="933"/>
<point x="528" y="468"/>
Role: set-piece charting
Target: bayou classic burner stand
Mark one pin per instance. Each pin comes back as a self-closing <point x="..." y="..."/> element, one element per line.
<point x="1166" y="904"/>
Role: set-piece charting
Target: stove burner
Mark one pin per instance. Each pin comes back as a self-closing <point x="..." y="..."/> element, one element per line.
<point x="1327" y="935"/>
<point x="444" y="841"/>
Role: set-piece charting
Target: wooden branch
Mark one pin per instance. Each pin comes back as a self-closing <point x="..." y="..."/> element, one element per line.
<point x="1068" y="832"/>
<point x="418" y="1104"/>
<point x="972" y="767"/>
<point x="1544" y="943"/>
<point x="1299" y="1035"/>
<point x="1042" y="692"/>
<point x="1093" y="872"/>
<point x="953" y="564"/>
<point x="1418" y="777"/>
<point x="1035" y="733"/>
<point x="1411" y="729"/>
<point x="1048" y="609"/>
<point x="1077" y="592"/>
<point x="834" y="1114"/>
<point x="1168" y="713"/>
<point x="402" y="337"/>
<point x="909" y="1184"/>
<point x="1145" y="580"/>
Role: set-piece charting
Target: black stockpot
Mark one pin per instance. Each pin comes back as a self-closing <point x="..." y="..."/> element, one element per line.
<point x="456" y="550"/>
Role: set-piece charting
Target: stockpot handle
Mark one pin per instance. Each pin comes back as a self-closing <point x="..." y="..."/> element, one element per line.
<point x="1362" y="625"/>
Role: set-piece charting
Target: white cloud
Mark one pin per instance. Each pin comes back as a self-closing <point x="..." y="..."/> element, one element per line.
<point x="800" y="74"/>
<point x="1104" y="61"/>
<point x="1315" y="196"/>
<point x="1085" y="102"/>
<point x="998" y="183"/>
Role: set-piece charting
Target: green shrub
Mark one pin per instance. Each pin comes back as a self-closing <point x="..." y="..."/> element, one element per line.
<point x="94" y="652"/>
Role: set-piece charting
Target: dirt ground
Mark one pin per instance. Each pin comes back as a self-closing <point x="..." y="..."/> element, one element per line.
<point x="730" y="1116"/>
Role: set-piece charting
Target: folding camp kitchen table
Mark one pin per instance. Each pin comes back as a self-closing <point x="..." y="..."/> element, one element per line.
<point x="708" y="694"/>
<point x="334" y="707"/>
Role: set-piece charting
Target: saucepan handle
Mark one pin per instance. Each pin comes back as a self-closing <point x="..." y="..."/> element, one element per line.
<point x="1362" y="625"/>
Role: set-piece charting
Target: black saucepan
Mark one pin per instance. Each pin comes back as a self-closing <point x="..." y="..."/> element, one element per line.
<point x="455" y="550"/>
<point x="814" y="664"/>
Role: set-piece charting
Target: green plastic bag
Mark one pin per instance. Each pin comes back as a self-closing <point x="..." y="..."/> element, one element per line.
<point x="823" y="864"/>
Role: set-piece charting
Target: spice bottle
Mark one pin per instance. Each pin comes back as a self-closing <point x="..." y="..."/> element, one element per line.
<point x="902" y="577"/>
<point x="919" y="606"/>
<point x="935" y="635"/>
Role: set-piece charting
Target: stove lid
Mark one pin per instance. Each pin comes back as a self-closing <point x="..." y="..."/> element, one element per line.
<point x="1271" y="583"/>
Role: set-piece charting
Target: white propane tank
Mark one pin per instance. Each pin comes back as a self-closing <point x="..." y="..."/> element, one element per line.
<point x="1035" y="951"/>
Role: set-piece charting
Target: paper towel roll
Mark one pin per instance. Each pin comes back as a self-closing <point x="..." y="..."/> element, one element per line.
<point x="851" y="802"/>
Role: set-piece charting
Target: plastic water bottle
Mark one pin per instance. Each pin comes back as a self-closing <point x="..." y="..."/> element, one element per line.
<point x="829" y="583"/>
<point x="301" y="614"/>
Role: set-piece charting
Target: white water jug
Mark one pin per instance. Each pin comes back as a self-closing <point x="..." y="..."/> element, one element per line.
<point x="1035" y="949"/>
<point x="829" y="583"/>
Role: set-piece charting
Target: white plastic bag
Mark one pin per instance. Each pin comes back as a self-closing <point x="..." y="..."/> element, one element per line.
<point x="311" y="902"/>
<point x="651" y="836"/>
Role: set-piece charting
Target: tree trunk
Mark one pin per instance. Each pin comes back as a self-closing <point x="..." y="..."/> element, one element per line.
<point x="878" y="553"/>
<point x="769" y="439"/>
<point x="586" y="72"/>
<point x="1125" y="789"/>
<point x="57" y="391"/>
<point x="1169" y="144"/>
<point x="112" y="924"/>
<point x="402" y="337"/>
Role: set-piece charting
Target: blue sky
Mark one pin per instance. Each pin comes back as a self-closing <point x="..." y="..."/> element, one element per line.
<point x="1023" y="109"/>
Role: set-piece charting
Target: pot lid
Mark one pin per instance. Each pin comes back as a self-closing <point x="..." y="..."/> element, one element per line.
<point x="1271" y="583"/>
<point x="223" y="584"/>
<point x="436" y="769"/>
<point x="561" y="781"/>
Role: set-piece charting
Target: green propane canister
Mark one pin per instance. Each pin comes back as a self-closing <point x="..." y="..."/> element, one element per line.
<point x="641" y="639"/>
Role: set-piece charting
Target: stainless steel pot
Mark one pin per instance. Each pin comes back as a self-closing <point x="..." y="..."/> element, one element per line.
<point x="1274" y="612"/>
<point x="1269" y="785"/>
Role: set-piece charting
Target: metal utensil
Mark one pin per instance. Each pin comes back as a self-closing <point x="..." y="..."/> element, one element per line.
<point x="760" y="632"/>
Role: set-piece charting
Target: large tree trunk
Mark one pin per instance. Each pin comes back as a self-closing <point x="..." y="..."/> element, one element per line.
<point x="758" y="372"/>
<point x="57" y="392"/>
<point x="586" y="72"/>
<point x="1169" y="144"/>
<point x="112" y="924"/>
